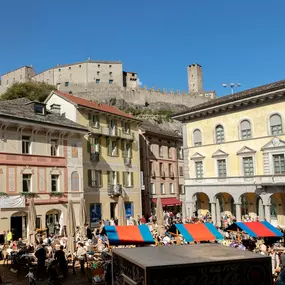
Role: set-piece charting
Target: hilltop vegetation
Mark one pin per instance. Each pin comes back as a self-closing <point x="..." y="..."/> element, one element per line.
<point x="35" y="91"/>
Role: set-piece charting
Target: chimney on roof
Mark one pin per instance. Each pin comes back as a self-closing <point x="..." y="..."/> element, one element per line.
<point x="55" y="108"/>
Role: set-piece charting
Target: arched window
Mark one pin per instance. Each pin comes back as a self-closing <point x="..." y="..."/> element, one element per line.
<point x="74" y="181"/>
<point x="275" y="124"/>
<point x="197" y="138"/>
<point x="220" y="135"/>
<point x="245" y="129"/>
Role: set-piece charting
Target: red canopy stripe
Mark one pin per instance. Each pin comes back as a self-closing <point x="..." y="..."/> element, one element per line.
<point x="199" y="232"/>
<point x="259" y="229"/>
<point x="127" y="233"/>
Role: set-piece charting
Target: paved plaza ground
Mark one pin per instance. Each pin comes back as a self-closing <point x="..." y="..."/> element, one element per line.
<point x="19" y="279"/>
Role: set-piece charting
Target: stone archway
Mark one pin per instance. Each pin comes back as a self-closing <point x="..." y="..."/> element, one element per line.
<point x="18" y="226"/>
<point x="201" y="204"/>
<point x="53" y="221"/>
<point x="276" y="209"/>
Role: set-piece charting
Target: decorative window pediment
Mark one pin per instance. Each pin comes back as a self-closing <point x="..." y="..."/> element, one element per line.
<point x="220" y="153"/>
<point x="274" y="143"/>
<point x="55" y="171"/>
<point x="197" y="156"/>
<point x="27" y="170"/>
<point x="246" y="150"/>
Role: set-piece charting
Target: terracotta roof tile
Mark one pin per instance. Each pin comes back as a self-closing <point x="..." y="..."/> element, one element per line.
<point x="93" y="105"/>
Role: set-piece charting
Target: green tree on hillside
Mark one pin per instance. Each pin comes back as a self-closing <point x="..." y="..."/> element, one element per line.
<point x="31" y="90"/>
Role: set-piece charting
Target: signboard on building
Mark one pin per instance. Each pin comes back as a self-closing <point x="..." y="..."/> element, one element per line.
<point x="12" y="202"/>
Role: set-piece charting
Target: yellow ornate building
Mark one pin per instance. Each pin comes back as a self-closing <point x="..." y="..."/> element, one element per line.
<point x="111" y="162"/>
<point x="234" y="151"/>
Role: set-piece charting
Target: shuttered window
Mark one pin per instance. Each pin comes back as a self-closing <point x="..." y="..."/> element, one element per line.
<point x="220" y="135"/>
<point x="275" y="125"/>
<point x="197" y="137"/>
<point x="245" y="129"/>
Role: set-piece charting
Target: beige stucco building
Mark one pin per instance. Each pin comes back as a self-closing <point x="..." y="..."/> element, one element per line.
<point x="110" y="155"/>
<point x="40" y="158"/>
<point x="234" y="149"/>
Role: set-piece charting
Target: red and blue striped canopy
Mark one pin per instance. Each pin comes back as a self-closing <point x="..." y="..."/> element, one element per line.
<point x="256" y="229"/>
<point x="129" y="235"/>
<point x="199" y="232"/>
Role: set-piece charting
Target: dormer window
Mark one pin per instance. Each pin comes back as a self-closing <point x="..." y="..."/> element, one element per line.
<point x="39" y="108"/>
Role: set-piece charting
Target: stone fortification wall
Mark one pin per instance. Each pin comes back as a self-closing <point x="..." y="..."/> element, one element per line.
<point x="138" y="96"/>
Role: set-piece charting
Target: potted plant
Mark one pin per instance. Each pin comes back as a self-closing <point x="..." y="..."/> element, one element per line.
<point x="57" y="194"/>
<point x="29" y="194"/>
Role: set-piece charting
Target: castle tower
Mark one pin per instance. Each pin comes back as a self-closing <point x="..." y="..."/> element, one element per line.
<point x="195" y="80"/>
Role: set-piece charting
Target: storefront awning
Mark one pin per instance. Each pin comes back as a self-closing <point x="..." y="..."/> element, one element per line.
<point x="168" y="201"/>
<point x="256" y="229"/>
<point x="199" y="232"/>
<point x="129" y="235"/>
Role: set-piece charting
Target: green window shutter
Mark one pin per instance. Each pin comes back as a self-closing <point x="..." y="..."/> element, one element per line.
<point x="124" y="179"/>
<point x="89" y="177"/>
<point x="109" y="146"/>
<point x="99" y="142"/>
<point x="108" y="122"/>
<point x="100" y="178"/>
<point x="118" y="177"/>
<point x="88" y="145"/>
<point x="131" y="149"/>
<point x="89" y="117"/>
<point x="123" y="148"/>
<point x="132" y="178"/>
<point x="109" y="178"/>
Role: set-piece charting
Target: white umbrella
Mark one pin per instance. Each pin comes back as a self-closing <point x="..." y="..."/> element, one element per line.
<point x="260" y="210"/>
<point x="82" y="219"/>
<point x="70" y="227"/>
<point x="218" y="213"/>
<point x="122" y="219"/>
<point x="159" y="216"/>
<point x="32" y="217"/>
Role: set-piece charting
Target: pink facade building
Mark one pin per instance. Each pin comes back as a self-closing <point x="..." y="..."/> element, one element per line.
<point x="162" y="168"/>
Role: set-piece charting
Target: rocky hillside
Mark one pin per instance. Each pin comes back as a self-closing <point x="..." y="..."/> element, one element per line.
<point x="157" y="113"/>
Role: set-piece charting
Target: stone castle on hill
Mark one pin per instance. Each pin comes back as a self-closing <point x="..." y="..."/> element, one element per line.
<point x="106" y="80"/>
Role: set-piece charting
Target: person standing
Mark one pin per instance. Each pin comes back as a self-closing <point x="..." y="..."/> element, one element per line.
<point x="41" y="255"/>
<point x="9" y="236"/>
<point x="88" y="232"/>
<point x="31" y="277"/>
<point x="60" y="257"/>
<point x="79" y="256"/>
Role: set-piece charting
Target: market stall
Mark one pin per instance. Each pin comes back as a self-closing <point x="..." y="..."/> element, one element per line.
<point x="255" y="229"/>
<point x="129" y="235"/>
<point x="197" y="232"/>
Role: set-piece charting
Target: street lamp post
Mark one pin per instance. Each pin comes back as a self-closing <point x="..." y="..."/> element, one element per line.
<point x="232" y="86"/>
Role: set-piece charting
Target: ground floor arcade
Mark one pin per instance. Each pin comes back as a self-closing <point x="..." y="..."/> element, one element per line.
<point x="266" y="203"/>
<point x="49" y="216"/>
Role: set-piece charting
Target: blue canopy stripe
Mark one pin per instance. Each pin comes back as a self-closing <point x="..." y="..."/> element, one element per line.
<point x="184" y="232"/>
<point x="146" y="234"/>
<point x="272" y="228"/>
<point x="112" y="234"/>
<point x="214" y="231"/>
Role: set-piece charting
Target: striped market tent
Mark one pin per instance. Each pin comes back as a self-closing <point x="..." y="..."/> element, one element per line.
<point x="129" y="235"/>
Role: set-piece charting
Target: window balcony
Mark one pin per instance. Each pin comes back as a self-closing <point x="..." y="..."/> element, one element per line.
<point x="127" y="161"/>
<point x="95" y="157"/>
<point x="162" y="174"/>
<point x="128" y="136"/>
<point x="171" y="174"/>
<point x="153" y="175"/>
<point x="115" y="190"/>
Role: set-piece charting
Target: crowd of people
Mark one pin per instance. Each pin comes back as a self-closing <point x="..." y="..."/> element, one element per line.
<point x="52" y="258"/>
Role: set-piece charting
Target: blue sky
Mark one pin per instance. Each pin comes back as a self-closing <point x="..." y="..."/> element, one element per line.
<point x="235" y="41"/>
